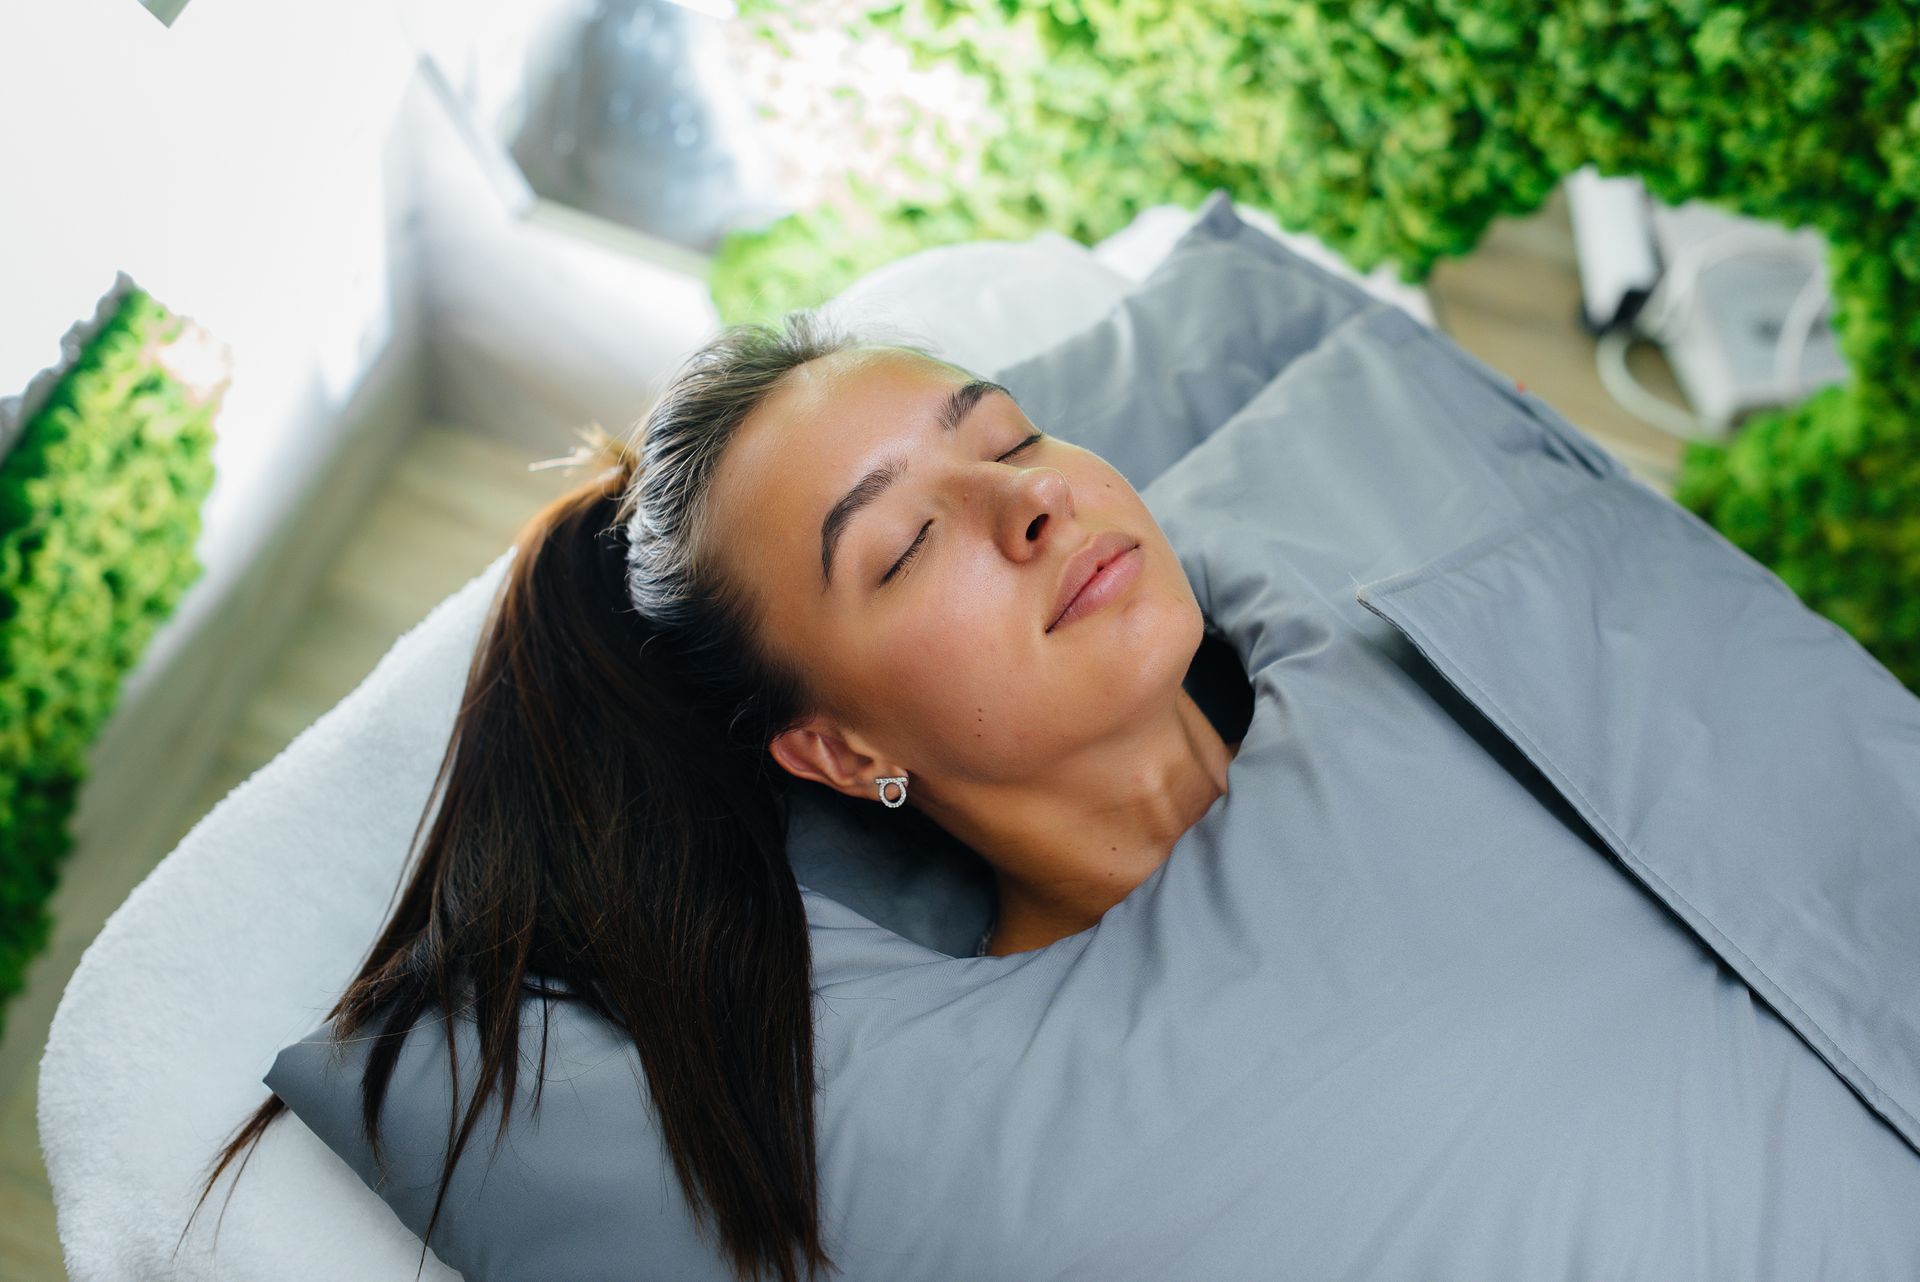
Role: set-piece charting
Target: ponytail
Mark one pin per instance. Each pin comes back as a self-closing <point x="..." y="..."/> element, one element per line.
<point x="611" y="820"/>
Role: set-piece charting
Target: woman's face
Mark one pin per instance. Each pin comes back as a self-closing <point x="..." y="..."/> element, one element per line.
<point x="932" y="638"/>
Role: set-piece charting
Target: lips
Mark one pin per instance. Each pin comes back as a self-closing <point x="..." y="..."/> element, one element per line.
<point x="1083" y="565"/>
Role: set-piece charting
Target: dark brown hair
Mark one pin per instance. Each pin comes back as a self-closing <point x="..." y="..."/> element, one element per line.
<point x="611" y="820"/>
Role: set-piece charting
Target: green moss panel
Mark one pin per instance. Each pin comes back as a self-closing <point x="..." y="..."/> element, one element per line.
<point x="100" y="502"/>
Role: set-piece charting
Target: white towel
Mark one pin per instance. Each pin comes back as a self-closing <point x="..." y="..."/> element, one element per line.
<point x="234" y="946"/>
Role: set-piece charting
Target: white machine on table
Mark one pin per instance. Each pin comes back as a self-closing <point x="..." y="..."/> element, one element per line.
<point x="1739" y="305"/>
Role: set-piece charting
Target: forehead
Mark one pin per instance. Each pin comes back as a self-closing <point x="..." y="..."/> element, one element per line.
<point x="828" y="422"/>
<point x="845" y="392"/>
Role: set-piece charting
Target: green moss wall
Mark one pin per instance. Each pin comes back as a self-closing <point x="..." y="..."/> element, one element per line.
<point x="99" y="513"/>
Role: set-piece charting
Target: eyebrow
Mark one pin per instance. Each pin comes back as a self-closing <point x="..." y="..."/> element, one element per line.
<point x="948" y="415"/>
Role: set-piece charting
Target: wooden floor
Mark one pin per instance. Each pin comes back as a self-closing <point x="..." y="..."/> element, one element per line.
<point x="456" y="500"/>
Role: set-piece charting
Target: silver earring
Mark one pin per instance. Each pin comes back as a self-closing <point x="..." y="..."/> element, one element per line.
<point x="892" y="803"/>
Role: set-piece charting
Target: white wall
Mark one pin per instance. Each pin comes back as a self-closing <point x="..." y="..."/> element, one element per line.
<point x="249" y="167"/>
<point x="535" y="329"/>
<point x="289" y="177"/>
<point x="243" y="166"/>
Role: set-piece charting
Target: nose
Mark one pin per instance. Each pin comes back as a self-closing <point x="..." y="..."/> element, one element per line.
<point x="1033" y="504"/>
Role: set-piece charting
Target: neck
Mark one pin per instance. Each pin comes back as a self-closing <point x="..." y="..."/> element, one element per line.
<point x="1070" y="844"/>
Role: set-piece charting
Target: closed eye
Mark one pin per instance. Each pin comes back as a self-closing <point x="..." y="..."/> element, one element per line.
<point x="920" y="538"/>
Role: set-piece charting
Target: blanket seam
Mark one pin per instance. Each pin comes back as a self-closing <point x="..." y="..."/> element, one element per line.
<point x="1461" y="555"/>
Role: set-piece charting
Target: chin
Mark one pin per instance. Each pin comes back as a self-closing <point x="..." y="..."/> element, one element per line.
<point x="1179" y="621"/>
<point x="1162" y="636"/>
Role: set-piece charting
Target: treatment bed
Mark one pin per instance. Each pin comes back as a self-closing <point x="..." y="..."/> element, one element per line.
<point x="1558" y="921"/>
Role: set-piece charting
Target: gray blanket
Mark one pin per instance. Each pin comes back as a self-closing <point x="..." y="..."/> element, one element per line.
<point x="1559" y="921"/>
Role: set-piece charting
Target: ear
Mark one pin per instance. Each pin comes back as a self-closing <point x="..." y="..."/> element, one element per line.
<point x="818" y="750"/>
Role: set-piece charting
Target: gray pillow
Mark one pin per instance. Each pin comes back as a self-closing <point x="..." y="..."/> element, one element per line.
<point x="1226" y="310"/>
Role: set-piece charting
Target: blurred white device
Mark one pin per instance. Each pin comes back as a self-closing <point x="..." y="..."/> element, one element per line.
<point x="1739" y="305"/>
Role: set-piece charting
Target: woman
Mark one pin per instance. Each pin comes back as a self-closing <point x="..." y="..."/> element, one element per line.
<point x="855" y="563"/>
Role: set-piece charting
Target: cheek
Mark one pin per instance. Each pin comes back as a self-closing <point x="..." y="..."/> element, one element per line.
<point x="958" y="676"/>
<point x="958" y="639"/>
<point x="1094" y="476"/>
